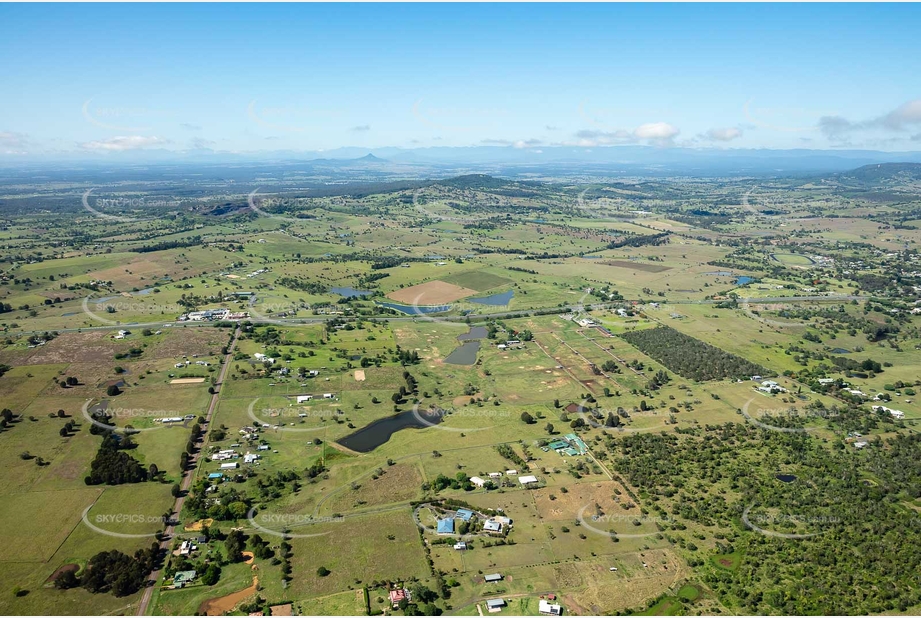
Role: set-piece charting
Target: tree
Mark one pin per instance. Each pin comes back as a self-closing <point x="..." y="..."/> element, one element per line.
<point x="234" y="544"/>
<point x="211" y="575"/>
<point x="549" y="428"/>
<point x="66" y="580"/>
<point x="323" y="571"/>
<point x="527" y="418"/>
<point x="176" y="490"/>
<point x="113" y="390"/>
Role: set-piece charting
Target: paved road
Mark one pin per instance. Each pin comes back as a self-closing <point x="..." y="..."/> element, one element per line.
<point x="187" y="478"/>
<point x="478" y="316"/>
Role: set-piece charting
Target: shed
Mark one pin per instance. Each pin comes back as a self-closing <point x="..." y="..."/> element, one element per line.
<point x="527" y="480"/>
<point x="495" y="605"/>
<point x="494" y="577"/>
<point x="492" y="526"/>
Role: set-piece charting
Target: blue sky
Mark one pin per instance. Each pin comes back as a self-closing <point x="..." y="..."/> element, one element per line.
<point x="110" y="78"/>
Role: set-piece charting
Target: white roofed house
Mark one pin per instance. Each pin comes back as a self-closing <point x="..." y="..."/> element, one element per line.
<point x="477" y="481"/>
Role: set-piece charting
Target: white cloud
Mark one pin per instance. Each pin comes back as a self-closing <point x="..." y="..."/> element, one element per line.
<point x="363" y="127"/>
<point x="11" y="139"/>
<point x="724" y="134"/>
<point x="658" y="131"/>
<point x="902" y="118"/>
<point x="906" y="114"/>
<point x="122" y="143"/>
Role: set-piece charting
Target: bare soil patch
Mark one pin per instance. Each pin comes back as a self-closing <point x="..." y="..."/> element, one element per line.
<point x="431" y="293"/>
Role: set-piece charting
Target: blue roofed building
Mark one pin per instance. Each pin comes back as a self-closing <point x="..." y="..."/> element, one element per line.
<point x="464" y="514"/>
<point x="445" y="526"/>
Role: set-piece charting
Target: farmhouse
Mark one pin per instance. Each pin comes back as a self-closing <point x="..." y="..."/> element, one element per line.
<point x="896" y="414"/>
<point x="398" y="595"/>
<point x="182" y="578"/>
<point x="460" y="546"/>
<point x="492" y="526"/>
<point x="477" y="481"/>
<point x="445" y="526"/>
<point x="545" y="608"/>
<point x="527" y="480"/>
<point x="495" y="605"/>
<point x="464" y="514"/>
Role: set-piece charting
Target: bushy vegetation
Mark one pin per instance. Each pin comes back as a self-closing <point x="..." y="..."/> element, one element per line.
<point x="690" y="357"/>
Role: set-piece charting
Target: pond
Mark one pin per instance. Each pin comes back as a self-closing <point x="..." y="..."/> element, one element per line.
<point x="379" y="432"/>
<point x="840" y="351"/>
<point x="348" y="292"/>
<point x="495" y="299"/>
<point x="415" y="310"/>
<point x="785" y="478"/>
<point x="475" y="332"/>
<point x="743" y="280"/>
<point x="465" y="354"/>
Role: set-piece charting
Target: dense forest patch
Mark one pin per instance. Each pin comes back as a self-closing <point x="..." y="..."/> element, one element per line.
<point x="690" y="357"/>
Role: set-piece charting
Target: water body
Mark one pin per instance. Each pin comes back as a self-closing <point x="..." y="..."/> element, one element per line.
<point x="495" y="299"/>
<point x="742" y="280"/>
<point x="465" y="354"/>
<point x="786" y="478"/>
<point x="475" y="332"/>
<point x="349" y="292"/>
<point x="840" y="351"/>
<point x="592" y="257"/>
<point x="103" y="299"/>
<point x="379" y="432"/>
<point x="410" y="310"/>
<point x="144" y="292"/>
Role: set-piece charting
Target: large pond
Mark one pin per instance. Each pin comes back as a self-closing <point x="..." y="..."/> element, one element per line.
<point x="349" y="292"/>
<point x="743" y="280"/>
<point x="379" y="432"/>
<point x="411" y="310"/>
<point x="785" y="478"/>
<point x="475" y="332"/>
<point x="465" y="354"/>
<point x="495" y="299"/>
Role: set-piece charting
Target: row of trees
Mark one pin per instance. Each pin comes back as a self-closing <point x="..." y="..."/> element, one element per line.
<point x="690" y="357"/>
